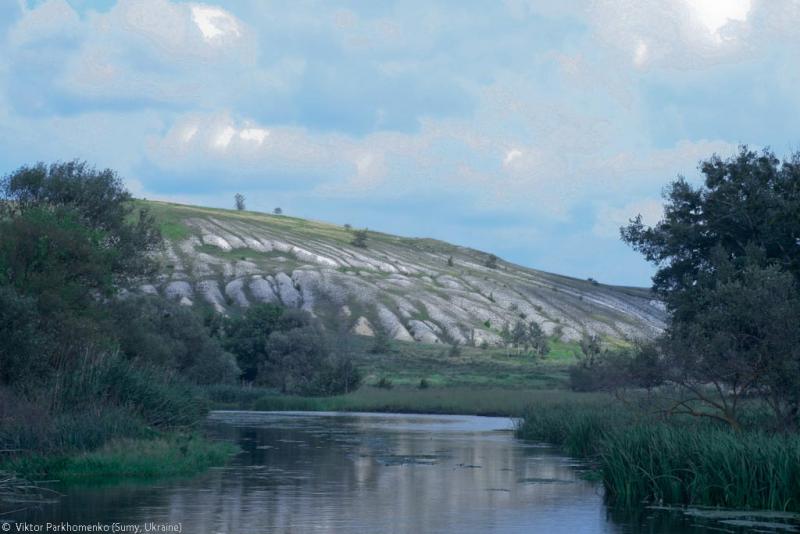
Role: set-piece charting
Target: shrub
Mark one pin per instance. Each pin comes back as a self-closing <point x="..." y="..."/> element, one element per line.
<point x="156" y="331"/>
<point x="288" y="350"/>
<point x="384" y="383"/>
<point x="360" y="238"/>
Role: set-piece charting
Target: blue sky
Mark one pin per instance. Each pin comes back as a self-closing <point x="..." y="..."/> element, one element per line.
<point x="517" y="127"/>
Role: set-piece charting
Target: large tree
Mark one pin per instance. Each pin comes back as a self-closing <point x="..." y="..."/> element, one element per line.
<point x="91" y="202"/>
<point x="728" y="258"/>
<point x="746" y="210"/>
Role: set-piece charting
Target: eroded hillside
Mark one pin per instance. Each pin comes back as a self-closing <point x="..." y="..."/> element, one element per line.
<point x="406" y="287"/>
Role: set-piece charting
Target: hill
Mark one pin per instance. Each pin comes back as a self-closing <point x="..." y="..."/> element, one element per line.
<point x="405" y="287"/>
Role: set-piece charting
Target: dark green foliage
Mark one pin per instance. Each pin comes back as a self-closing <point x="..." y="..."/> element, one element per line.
<point x="450" y="261"/>
<point x="238" y="200"/>
<point x="642" y="366"/>
<point x="537" y="340"/>
<point x="749" y="202"/>
<point x="21" y="348"/>
<point x="288" y="350"/>
<point x="711" y="467"/>
<point x="278" y="211"/>
<point x="360" y="238"/>
<point x="156" y="331"/>
<point x="381" y="342"/>
<point x="454" y="351"/>
<point x="423" y="384"/>
<point x="558" y="332"/>
<point x="526" y="338"/>
<point x="160" y="398"/>
<point x="729" y="263"/>
<point x="672" y="461"/>
<point x="50" y="254"/>
<point x="384" y="383"/>
<point x="747" y="342"/>
<point x="69" y="238"/>
<point x="491" y="261"/>
<point x="99" y="202"/>
<point x="246" y="337"/>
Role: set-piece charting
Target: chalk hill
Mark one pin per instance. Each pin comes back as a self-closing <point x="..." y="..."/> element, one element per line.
<point x="403" y="286"/>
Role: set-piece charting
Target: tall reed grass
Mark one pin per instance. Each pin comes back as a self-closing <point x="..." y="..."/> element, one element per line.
<point x="711" y="466"/>
<point x="672" y="461"/>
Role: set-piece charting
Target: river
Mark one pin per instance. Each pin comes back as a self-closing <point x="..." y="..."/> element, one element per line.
<point x="370" y="473"/>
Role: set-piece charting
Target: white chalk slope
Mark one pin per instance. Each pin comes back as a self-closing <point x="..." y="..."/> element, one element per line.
<point x="403" y="286"/>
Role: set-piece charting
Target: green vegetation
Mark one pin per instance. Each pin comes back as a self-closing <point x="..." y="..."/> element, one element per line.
<point x="406" y="363"/>
<point x="460" y="400"/>
<point x="288" y="350"/>
<point x="170" y="455"/>
<point x="713" y="405"/>
<point x="238" y="201"/>
<point x="81" y="363"/>
<point x="360" y="238"/>
<point x="728" y="269"/>
<point x="643" y="457"/>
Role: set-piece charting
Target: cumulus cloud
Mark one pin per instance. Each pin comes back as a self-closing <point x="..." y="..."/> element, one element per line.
<point x="561" y="118"/>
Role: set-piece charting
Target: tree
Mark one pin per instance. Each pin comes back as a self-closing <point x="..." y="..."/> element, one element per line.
<point x="360" y="238"/>
<point x="745" y="210"/>
<point x="537" y="339"/>
<point x="491" y="261"/>
<point x="91" y="202"/>
<point x="450" y="261"/>
<point x="381" y="342"/>
<point x="288" y="349"/>
<point x="277" y="211"/>
<point x="590" y="350"/>
<point x="519" y="335"/>
<point x="728" y="268"/>
<point x="156" y="331"/>
<point x="746" y="342"/>
<point x="23" y="350"/>
<point x="239" y="201"/>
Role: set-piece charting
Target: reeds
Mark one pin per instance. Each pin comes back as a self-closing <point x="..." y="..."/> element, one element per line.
<point x="673" y="461"/>
<point x="711" y="466"/>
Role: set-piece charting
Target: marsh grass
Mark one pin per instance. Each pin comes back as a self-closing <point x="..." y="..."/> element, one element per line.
<point x="165" y="456"/>
<point x="411" y="399"/>
<point x="710" y="466"/>
<point x="679" y="461"/>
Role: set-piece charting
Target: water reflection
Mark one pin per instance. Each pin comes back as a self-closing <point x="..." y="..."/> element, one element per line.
<point x="301" y="472"/>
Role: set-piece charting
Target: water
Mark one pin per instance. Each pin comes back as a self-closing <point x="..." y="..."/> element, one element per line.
<point x="372" y="473"/>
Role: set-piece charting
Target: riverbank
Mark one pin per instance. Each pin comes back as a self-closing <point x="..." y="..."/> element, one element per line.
<point x="459" y="400"/>
<point x="167" y="455"/>
<point x="641" y="458"/>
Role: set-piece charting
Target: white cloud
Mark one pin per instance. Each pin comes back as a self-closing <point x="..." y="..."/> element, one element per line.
<point x="640" y="54"/>
<point x="714" y="14"/>
<point x="223" y="138"/>
<point x="257" y="135"/>
<point x="50" y="19"/>
<point x="214" y="23"/>
<point x="511" y="155"/>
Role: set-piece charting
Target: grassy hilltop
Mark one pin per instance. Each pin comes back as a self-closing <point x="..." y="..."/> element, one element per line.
<point x="412" y="289"/>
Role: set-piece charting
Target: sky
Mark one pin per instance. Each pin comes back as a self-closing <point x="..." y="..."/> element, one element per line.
<point x="531" y="129"/>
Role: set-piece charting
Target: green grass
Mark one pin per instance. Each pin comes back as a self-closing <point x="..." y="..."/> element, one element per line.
<point x="167" y="456"/>
<point x="452" y="400"/>
<point x="670" y="461"/>
<point x="702" y="466"/>
<point x="407" y="363"/>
